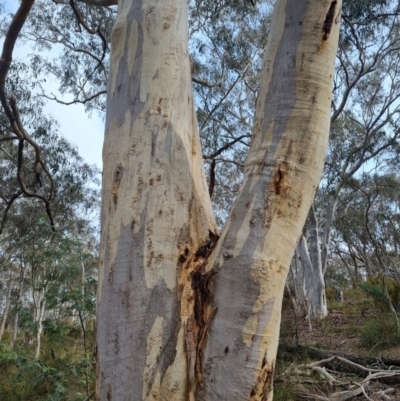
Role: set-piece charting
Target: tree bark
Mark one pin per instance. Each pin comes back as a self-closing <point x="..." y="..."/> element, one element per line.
<point x="18" y="305"/>
<point x="6" y="307"/>
<point x="39" y="302"/>
<point x="314" y="268"/>
<point x="299" y="277"/>
<point x="317" y="299"/>
<point x="157" y="222"/>
<point x="161" y="334"/>
<point x="329" y="226"/>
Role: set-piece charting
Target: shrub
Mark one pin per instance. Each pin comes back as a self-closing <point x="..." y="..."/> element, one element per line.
<point x="283" y="392"/>
<point x="374" y="288"/>
<point x="380" y="331"/>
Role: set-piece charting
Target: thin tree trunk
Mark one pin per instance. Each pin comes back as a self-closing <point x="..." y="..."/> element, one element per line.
<point x="18" y="305"/>
<point x="39" y="309"/>
<point x="161" y="335"/>
<point x="299" y="277"/>
<point x="326" y="241"/>
<point x="308" y="272"/>
<point x="39" y="331"/>
<point x="6" y="307"/>
<point x="15" y="330"/>
<point x="318" y="307"/>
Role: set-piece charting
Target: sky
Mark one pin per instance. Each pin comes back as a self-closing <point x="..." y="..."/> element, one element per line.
<point x="75" y="125"/>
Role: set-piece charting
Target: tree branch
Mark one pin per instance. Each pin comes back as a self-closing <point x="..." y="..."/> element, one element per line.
<point x="8" y="47"/>
<point x="87" y="99"/>
<point x="9" y="105"/>
<point x="225" y="147"/>
<point x="205" y="83"/>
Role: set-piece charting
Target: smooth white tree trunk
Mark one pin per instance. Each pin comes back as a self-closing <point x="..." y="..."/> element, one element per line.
<point x="317" y="305"/>
<point x="38" y="315"/>
<point x="183" y="314"/>
<point x="309" y="275"/>
<point x="298" y="277"/>
<point x="314" y="261"/>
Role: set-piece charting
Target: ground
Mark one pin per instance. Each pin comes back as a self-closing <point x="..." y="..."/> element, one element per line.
<point x="357" y="327"/>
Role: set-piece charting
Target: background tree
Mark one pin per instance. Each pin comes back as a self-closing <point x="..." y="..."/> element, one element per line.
<point x="53" y="273"/>
<point x="153" y="181"/>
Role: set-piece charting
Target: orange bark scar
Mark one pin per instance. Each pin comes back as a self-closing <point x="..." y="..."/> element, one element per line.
<point x="264" y="382"/>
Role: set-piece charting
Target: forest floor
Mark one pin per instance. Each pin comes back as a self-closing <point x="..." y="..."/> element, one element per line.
<point x="354" y="328"/>
<point x="338" y="331"/>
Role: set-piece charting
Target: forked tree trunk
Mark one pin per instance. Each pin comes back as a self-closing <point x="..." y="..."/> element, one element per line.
<point x="161" y="334"/>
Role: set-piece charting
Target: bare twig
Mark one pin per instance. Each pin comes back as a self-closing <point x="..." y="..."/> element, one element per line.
<point x="225" y="147"/>
<point x="206" y="83"/>
<point x="8" y="138"/>
<point x="100" y="3"/>
<point x="87" y="99"/>
<point x="238" y="78"/>
<point x="8" y="207"/>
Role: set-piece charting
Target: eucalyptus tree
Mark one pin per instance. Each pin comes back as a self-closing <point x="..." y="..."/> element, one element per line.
<point x="162" y="331"/>
<point x="365" y="125"/>
<point x="29" y="247"/>
<point x="7" y="300"/>
<point x="371" y="243"/>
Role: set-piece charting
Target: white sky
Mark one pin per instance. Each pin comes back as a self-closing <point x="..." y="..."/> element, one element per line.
<point x="75" y="125"/>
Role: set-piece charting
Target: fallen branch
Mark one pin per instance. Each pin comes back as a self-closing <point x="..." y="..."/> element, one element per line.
<point x="355" y="388"/>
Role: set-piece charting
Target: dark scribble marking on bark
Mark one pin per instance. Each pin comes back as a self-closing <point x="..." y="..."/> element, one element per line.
<point x="327" y="27"/>
<point x="211" y="183"/>
<point x="184" y="255"/>
<point x="279" y="180"/>
<point x="118" y="173"/>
